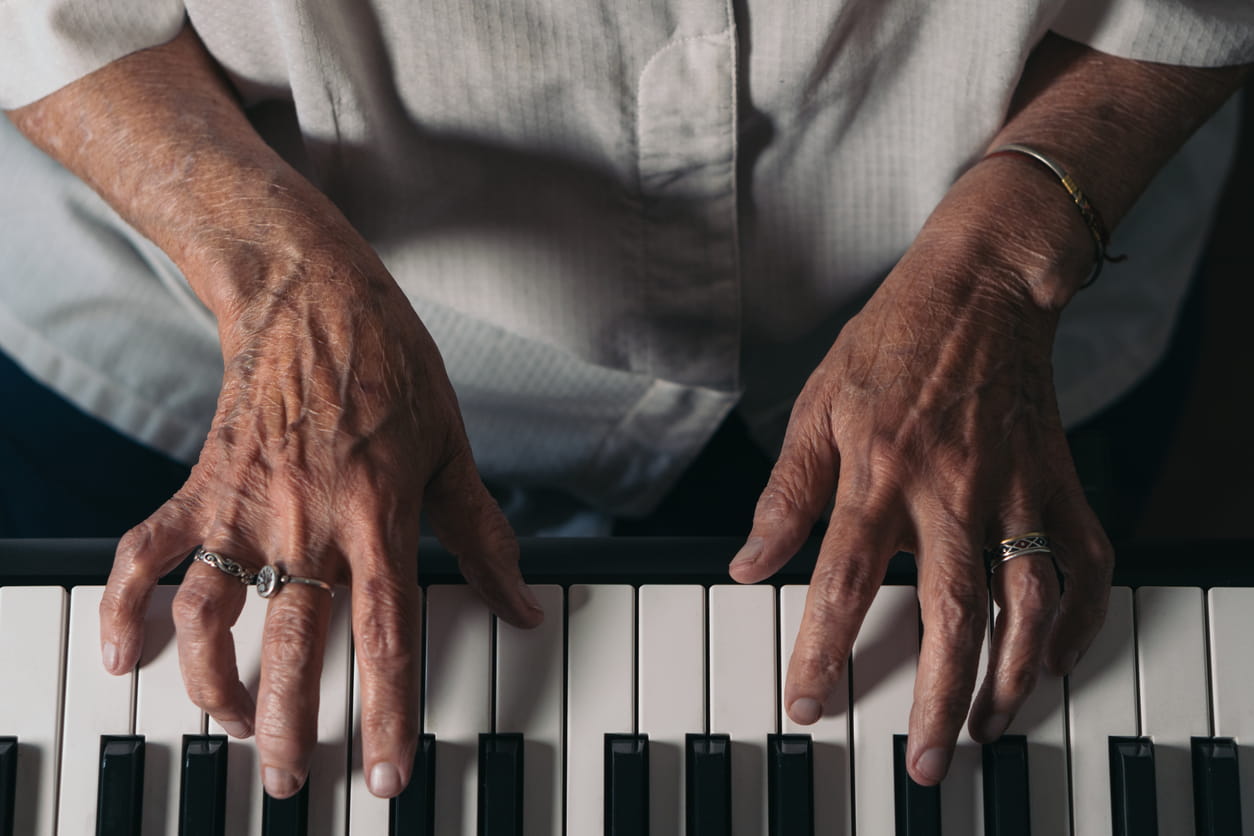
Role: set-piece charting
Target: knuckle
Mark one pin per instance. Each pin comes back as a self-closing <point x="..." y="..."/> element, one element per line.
<point x="384" y="630"/>
<point x="281" y="744"/>
<point x="949" y="707"/>
<point x="959" y="611"/>
<point x="137" y="544"/>
<point x="1103" y="558"/>
<point x="842" y="582"/>
<point x="390" y="728"/>
<point x="820" y="664"/>
<point x="1017" y="682"/>
<point x="1033" y="598"/>
<point x="291" y="637"/>
<point x="214" y="697"/>
<point x="780" y="502"/>
<point x="195" y="609"/>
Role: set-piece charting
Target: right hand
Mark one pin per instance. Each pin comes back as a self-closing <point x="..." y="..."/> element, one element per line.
<point x="336" y="424"/>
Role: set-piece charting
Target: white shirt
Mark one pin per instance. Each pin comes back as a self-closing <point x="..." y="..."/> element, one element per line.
<point x="620" y="221"/>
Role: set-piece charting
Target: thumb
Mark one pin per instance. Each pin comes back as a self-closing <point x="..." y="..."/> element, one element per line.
<point x="472" y="526"/>
<point x="801" y="483"/>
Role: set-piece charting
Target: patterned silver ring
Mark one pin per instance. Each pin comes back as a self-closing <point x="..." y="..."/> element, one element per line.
<point x="224" y="564"/>
<point x="1034" y="542"/>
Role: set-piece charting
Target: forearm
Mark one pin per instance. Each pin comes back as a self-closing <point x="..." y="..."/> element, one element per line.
<point x="160" y="135"/>
<point x="1112" y="123"/>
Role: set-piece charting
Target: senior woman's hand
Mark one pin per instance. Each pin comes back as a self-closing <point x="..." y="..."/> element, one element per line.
<point x="335" y="426"/>
<point x="933" y="421"/>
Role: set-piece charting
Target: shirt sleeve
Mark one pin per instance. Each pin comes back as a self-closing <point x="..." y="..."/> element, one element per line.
<point x="1198" y="33"/>
<point x="46" y="44"/>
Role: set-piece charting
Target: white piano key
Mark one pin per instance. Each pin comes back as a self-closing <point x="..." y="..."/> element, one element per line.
<point x="458" y="701"/>
<point x="367" y="814"/>
<point x="962" y="791"/>
<point x="163" y="714"/>
<point x="32" y="661"/>
<point x="833" y="787"/>
<point x="243" y="768"/>
<point x="671" y="696"/>
<point x="328" y="781"/>
<point x="743" y="685"/>
<point x="885" y="657"/>
<point x="1231" y="613"/>
<point x="1043" y="720"/>
<point x="1171" y="668"/>
<point x="529" y="701"/>
<point x="600" y="693"/>
<point x="96" y="703"/>
<point x="1101" y="703"/>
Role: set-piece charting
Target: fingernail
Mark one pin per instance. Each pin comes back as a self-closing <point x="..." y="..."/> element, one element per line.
<point x="109" y="651"/>
<point x="931" y="764"/>
<point x="385" y="780"/>
<point x="236" y="728"/>
<point x="529" y="597"/>
<point x="749" y="552"/>
<point x="278" y="783"/>
<point x="805" y="711"/>
<point x="994" y="726"/>
<point x="1068" y="662"/>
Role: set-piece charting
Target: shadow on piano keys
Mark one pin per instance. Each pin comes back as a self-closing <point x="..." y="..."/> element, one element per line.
<point x="648" y="702"/>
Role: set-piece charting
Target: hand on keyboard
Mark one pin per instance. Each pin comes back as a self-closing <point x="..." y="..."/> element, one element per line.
<point x="933" y="422"/>
<point x="335" y="426"/>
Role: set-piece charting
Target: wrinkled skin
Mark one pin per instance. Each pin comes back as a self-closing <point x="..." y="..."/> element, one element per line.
<point x="336" y="425"/>
<point x="934" y="425"/>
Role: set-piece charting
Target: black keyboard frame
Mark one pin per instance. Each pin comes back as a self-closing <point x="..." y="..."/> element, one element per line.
<point x="637" y="560"/>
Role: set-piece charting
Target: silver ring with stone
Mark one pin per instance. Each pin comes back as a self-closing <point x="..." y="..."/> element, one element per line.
<point x="271" y="578"/>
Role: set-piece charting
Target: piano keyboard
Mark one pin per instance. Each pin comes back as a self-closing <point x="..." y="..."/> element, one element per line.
<point x="634" y="709"/>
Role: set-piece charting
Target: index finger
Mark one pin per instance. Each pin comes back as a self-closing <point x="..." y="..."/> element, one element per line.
<point x="144" y="554"/>
<point x="851" y="564"/>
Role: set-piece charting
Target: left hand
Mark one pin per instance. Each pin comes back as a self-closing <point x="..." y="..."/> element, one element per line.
<point x="933" y="421"/>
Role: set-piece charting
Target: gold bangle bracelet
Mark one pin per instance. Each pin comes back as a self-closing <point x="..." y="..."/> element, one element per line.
<point x="1088" y="212"/>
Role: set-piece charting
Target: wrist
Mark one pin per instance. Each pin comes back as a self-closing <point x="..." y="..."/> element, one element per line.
<point x="1013" y="217"/>
<point x="265" y="235"/>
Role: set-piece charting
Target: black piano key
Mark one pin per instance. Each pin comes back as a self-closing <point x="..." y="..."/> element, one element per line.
<point x="790" y="784"/>
<point x="1133" y="796"/>
<point x="286" y="816"/>
<point x="917" y="807"/>
<point x="708" y="776"/>
<point x="1216" y="787"/>
<point x="500" y="784"/>
<point x="202" y="785"/>
<point x="412" y="813"/>
<point x="120" y="789"/>
<point x="1006" y="787"/>
<point x="8" y="783"/>
<point x="626" y="785"/>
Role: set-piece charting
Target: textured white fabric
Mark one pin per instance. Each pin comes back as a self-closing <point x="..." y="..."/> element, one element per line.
<point x="619" y="220"/>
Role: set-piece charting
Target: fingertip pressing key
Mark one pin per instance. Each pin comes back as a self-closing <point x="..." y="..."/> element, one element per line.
<point x="933" y="764"/>
<point x="385" y="780"/>
<point x="805" y="711"/>
<point x="280" y="783"/>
